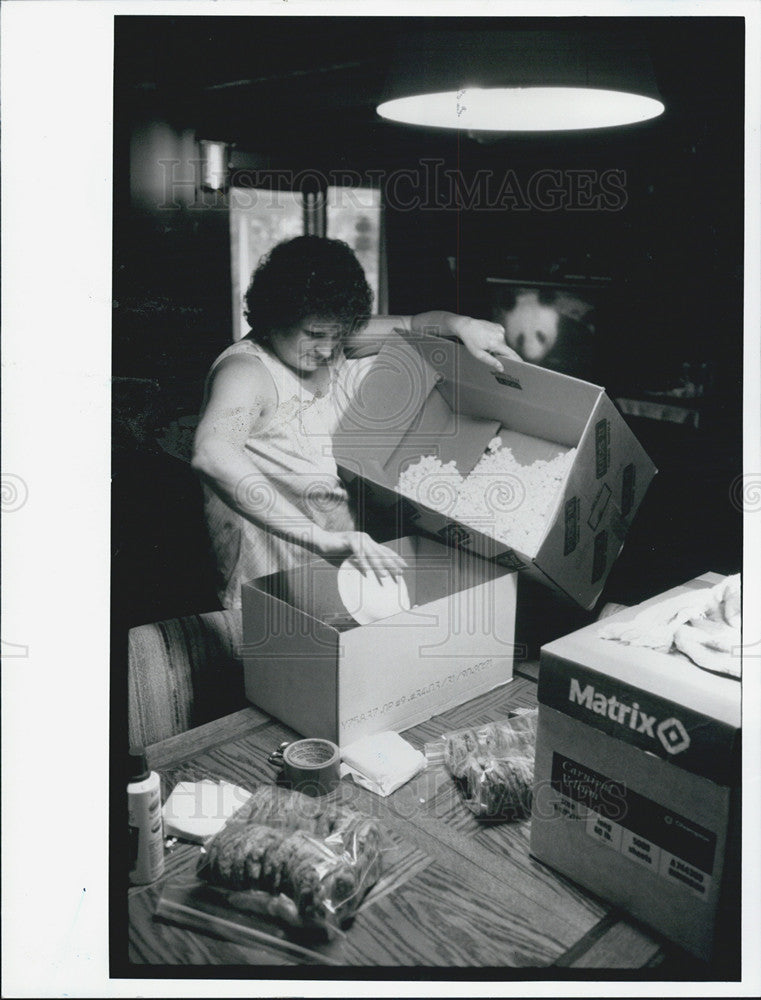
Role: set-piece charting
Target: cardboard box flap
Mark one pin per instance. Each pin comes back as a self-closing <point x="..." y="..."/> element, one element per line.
<point x="523" y="398"/>
<point x="291" y="652"/>
<point x="313" y="589"/>
<point x="442" y="571"/>
<point x="438" y="430"/>
<point x="388" y="402"/>
<point x="612" y="453"/>
<point x="567" y="555"/>
<point x="287" y="595"/>
<point x="602" y="494"/>
<point x="367" y="466"/>
<point x="309" y="589"/>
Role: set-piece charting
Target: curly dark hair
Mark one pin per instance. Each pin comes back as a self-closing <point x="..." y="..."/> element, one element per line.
<point x="307" y="276"/>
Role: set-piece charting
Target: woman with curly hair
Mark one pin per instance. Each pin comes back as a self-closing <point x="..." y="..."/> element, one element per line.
<point x="272" y="403"/>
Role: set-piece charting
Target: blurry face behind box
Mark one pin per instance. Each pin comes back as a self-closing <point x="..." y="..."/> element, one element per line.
<point x="636" y="793"/>
<point x="338" y="655"/>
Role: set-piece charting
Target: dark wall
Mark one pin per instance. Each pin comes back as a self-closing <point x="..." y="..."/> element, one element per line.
<point x="670" y="235"/>
<point x="172" y="304"/>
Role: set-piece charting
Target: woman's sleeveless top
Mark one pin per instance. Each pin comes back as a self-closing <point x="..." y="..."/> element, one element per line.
<point x="293" y="457"/>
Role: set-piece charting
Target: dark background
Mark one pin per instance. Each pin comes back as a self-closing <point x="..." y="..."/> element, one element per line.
<point x="299" y="93"/>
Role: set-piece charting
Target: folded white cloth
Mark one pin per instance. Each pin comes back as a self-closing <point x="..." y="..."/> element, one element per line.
<point x="382" y="762"/>
<point x="704" y="625"/>
<point x="713" y="646"/>
<point x="196" y="810"/>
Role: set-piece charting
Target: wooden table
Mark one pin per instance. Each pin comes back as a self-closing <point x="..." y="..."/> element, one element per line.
<point x="470" y="896"/>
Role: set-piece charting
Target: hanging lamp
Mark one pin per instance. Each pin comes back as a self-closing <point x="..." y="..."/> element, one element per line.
<point x="521" y="80"/>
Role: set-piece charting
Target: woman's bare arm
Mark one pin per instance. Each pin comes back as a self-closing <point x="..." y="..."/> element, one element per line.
<point x="241" y="400"/>
<point x="484" y="340"/>
<point x="241" y="394"/>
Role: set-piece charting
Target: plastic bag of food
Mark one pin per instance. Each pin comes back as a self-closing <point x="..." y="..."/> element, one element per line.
<point x="493" y="764"/>
<point x="300" y="859"/>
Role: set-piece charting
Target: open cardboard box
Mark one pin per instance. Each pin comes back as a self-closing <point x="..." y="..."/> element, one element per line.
<point x="428" y="396"/>
<point x="636" y="782"/>
<point x="309" y="662"/>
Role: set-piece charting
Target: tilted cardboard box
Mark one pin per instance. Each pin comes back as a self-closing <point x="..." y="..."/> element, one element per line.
<point x="309" y="662"/>
<point x="428" y="396"/>
<point x="636" y="787"/>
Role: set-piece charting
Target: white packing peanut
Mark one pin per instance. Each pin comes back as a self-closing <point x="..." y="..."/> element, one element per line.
<point x="500" y="497"/>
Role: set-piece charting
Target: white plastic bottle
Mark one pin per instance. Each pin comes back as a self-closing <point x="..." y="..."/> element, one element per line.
<point x="146" y="834"/>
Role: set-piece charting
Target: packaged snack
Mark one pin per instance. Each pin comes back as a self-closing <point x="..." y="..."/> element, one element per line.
<point x="494" y="765"/>
<point x="314" y="860"/>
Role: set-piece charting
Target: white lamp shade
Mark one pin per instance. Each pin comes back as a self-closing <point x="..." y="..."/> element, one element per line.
<point x="522" y="109"/>
<point x="521" y="80"/>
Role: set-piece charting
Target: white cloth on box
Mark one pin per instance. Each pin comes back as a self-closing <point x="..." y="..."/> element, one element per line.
<point x="382" y="762"/>
<point x="703" y="625"/>
<point x="196" y="810"/>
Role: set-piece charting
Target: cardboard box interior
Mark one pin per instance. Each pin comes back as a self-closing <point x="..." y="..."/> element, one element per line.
<point x="432" y="572"/>
<point x="311" y="663"/>
<point x="425" y="396"/>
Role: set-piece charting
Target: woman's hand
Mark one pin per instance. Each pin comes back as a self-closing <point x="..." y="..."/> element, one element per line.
<point x="484" y="340"/>
<point x="370" y="556"/>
